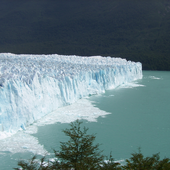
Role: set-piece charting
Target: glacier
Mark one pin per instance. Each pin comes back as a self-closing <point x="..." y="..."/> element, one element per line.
<point x="32" y="86"/>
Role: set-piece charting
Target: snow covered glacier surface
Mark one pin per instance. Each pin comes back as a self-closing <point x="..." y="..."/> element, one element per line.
<point x="32" y="86"/>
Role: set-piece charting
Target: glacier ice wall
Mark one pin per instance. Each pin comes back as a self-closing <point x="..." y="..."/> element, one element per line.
<point x="32" y="86"/>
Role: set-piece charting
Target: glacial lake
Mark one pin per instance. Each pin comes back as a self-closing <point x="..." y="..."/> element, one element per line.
<point x="123" y="119"/>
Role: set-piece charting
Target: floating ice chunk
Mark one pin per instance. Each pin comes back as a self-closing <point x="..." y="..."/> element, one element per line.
<point x="153" y="77"/>
<point x="131" y="85"/>
<point x="82" y="109"/>
<point x="22" y="142"/>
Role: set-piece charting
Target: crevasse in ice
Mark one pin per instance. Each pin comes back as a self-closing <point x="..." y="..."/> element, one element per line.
<point x="32" y="86"/>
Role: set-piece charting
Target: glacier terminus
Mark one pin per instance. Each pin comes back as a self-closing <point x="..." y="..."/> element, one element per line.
<point x="31" y="86"/>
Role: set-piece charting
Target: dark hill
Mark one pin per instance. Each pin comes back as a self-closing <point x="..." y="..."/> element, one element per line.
<point x="137" y="30"/>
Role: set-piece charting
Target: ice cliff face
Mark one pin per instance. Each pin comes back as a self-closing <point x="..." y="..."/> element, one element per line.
<point x="32" y="86"/>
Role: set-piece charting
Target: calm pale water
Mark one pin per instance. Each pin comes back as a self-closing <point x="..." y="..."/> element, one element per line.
<point x="140" y="117"/>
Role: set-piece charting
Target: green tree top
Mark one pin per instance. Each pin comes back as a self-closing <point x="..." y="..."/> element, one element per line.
<point x="79" y="152"/>
<point x="139" y="162"/>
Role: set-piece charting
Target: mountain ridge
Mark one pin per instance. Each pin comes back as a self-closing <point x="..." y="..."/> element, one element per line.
<point x="135" y="30"/>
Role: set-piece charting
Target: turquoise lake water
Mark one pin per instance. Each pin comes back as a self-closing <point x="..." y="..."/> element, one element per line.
<point x="139" y="116"/>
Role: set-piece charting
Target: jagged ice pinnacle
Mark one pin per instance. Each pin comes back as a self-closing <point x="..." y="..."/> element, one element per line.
<point x="32" y="86"/>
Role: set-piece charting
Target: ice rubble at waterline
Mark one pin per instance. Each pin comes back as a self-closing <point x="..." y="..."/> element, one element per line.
<point x="32" y="86"/>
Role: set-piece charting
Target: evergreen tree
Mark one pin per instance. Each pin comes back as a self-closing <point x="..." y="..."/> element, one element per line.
<point x="110" y="164"/>
<point x="139" y="162"/>
<point x="79" y="152"/>
<point x="34" y="164"/>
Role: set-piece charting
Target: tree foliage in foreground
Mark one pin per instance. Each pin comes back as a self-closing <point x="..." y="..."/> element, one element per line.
<point x="34" y="164"/>
<point x="80" y="153"/>
<point x="139" y="162"/>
